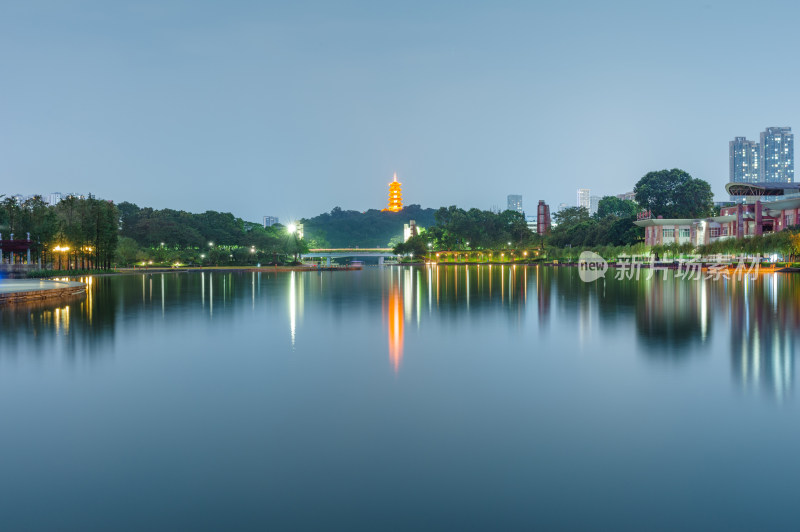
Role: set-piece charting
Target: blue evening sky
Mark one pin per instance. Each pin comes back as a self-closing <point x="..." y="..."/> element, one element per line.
<point x="292" y="108"/>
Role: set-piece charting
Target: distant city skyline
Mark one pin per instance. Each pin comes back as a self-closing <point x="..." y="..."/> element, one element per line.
<point x="770" y="161"/>
<point x="198" y="106"/>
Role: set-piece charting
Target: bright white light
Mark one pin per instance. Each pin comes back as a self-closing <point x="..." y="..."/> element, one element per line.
<point x="291" y="228"/>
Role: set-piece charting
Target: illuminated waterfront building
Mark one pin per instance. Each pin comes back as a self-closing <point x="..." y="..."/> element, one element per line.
<point x="395" y="196"/>
<point x="768" y="208"/>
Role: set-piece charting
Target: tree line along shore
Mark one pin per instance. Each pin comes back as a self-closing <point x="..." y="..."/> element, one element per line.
<point x="93" y="234"/>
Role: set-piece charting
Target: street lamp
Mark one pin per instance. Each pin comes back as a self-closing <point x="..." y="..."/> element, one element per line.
<point x="63" y="249"/>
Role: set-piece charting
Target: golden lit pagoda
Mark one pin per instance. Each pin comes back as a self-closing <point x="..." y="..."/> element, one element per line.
<point x="395" y="196"/>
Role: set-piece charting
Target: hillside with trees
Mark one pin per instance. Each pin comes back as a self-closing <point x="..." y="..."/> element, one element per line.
<point x="218" y="238"/>
<point x="369" y="229"/>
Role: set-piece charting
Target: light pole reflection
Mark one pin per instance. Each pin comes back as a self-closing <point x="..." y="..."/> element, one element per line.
<point x="293" y="305"/>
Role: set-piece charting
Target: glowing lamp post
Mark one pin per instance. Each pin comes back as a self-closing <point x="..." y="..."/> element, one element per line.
<point x="61" y="249"/>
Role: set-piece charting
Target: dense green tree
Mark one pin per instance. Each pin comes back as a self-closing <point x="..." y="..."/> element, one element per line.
<point x="128" y="252"/>
<point x="613" y="206"/>
<point x="416" y="245"/>
<point x="84" y="230"/>
<point x="575" y="228"/>
<point x="674" y="194"/>
<point x="11" y="215"/>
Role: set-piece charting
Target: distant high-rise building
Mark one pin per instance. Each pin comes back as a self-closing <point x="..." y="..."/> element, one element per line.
<point x="584" y="198"/>
<point x="542" y="218"/>
<point x="629" y="196"/>
<point x="562" y="206"/>
<point x="594" y="203"/>
<point x="743" y="156"/>
<point x="410" y="229"/>
<point x="776" y="155"/>
<point x="53" y="198"/>
<point x="395" y="196"/>
<point x="514" y="202"/>
<point x="531" y="222"/>
<point x="269" y="221"/>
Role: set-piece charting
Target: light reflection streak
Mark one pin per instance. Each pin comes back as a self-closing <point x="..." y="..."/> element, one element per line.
<point x="704" y="310"/>
<point x="466" y="269"/>
<point x="408" y="294"/>
<point x="430" y="290"/>
<point x="502" y="282"/>
<point x="419" y="296"/>
<point x="394" y="316"/>
<point x="292" y="305"/>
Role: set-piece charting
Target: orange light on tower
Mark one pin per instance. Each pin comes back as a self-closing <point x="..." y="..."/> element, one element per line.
<point x="395" y="196"/>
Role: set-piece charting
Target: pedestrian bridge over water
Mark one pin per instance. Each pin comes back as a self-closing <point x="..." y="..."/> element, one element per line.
<point x="342" y="253"/>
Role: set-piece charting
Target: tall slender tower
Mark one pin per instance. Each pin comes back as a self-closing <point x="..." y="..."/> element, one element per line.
<point x="395" y="196"/>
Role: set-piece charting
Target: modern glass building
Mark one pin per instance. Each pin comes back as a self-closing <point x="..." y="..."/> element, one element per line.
<point x="777" y="155"/>
<point x="743" y="159"/>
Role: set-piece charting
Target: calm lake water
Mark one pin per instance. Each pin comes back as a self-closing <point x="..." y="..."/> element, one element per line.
<point x="402" y="398"/>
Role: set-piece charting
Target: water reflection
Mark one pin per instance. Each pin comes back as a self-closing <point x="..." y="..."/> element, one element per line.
<point x="671" y="314"/>
<point x="764" y="321"/>
<point x="755" y="320"/>
<point x="394" y="320"/>
<point x="78" y="326"/>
